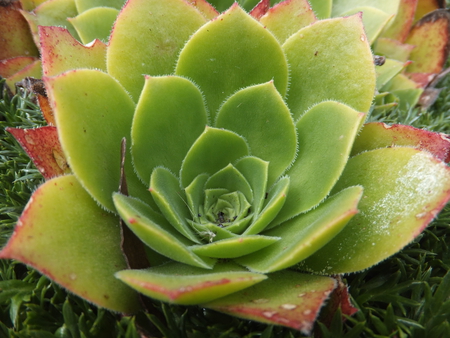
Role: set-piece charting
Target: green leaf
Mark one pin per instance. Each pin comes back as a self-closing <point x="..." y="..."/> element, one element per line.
<point x="84" y="5"/>
<point x="287" y="17"/>
<point x="231" y="179"/>
<point x="337" y="66"/>
<point x="234" y="247"/>
<point x="182" y="284"/>
<point x="387" y="6"/>
<point x="404" y="189"/>
<point x="170" y="198"/>
<point x="325" y="136"/>
<point x="322" y="8"/>
<point x="133" y="51"/>
<point x="95" y="23"/>
<point x="255" y="171"/>
<point x="156" y="232"/>
<point x="386" y="72"/>
<point x="286" y="298"/>
<point x="212" y="151"/>
<point x="305" y="234"/>
<point x="93" y="114"/>
<point x="274" y="204"/>
<point x="170" y="116"/>
<point x="229" y="53"/>
<point x="62" y="218"/>
<point x="271" y="136"/>
<point x="61" y="52"/>
<point x="195" y="195"/>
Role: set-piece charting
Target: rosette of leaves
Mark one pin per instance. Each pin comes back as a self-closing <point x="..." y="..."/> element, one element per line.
<point x="87" y="21"/>
<point x="232" y="163"/>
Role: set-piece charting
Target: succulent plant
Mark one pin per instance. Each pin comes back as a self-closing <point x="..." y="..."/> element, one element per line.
<point x="230" y="175"/>
<point x="19" y="21"/>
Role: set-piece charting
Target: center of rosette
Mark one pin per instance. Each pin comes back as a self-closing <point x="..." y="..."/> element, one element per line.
<point x="225" y="209"/>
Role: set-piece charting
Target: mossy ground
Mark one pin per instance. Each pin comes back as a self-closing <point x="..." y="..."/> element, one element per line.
<point x="405" y="296"/>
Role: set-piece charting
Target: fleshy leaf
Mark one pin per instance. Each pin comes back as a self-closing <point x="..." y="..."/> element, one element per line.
<point x="230" y="178"/>
<point x="171" y="23"/>
<point x="195" y="195"/>
<point x="158" y="115"/>
<point x="387" y="71"/>
<point x="171" y="200"/>
<point x="34" y="70"/>
<point x="156" y="232"/>
<point x="95" y="23"/>
<point x="338" y="66"/>
<point x="426" y="6"/>
<point x="204" y="7"/>
<point x="93" y="114"/>
<point x="16" y="39"/>
<point x="271" y="137"/>
<point x="274" y="204"/>
<point x="62" y="218"/>
<point x="255" y="171"/>
<point x="387" y="6"/>
<point x="379" y="135"/>
<point x="214" y="53"/>
<point x="61" y="52"/>
<point x="183" y="284"/>
<point x="431" y="36"/>
<point x="374" y="20"/>
<point x="393" y="49"/>
<point x="84" y="5"/>
<point x="286" y="298"/>
<point x="212" y="151"/>
<point x="260" y="9"/>
<point x="287" y="17"/>
<point x="234" y="247"/>
<point x="326" y="134"/>
<point x="322" y="8"/>
<point x="11" y="66"/>
<point x="305" y="234"/>
<point x="404" y="189"/>
<point x="399" y="28"/>
<point x="43" y="147"/>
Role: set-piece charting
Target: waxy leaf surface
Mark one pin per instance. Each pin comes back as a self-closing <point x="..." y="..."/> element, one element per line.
<point x="168" y="106"/>
<point x="183" y="284"/>
<point x="43" y="147"/>
<point x="229" y="53"/>
<point x="325" y="136"/>
<point x="319" y="68"/>
<point x="91" y="124"/>
<point x="399" y="28"/>
<point x="128" y="59"/>
<point x="95" y="23"/>
<point x="61" y="52"/>
<point x="297" y="306"/>
<point x="404" y="189"/>
<point x="66" y="236"/>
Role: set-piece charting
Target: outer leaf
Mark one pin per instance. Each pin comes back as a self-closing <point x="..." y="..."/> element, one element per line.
<point x="326" y="133"/>
<point x="93" y="114"/>
<point x="95" y="23"/>
<point x="182" y="284"/>
<point x="399" y="28"/>
<point x="61" y="52"/>
<point x="386" y="72"/>
<point x="387" y="6"/>
<point x="84" y="5"/>
<point x="393" y="49"/>
<point x="221" y="59"/>
<point x="305" y="234"/>
<point x="431" y="36"/>
<point x="169" y="117"/>
<point x="404" y="189"/>
<point x="9" y="67"/>
<point x="171" y="22"/>
<point x="157" y="233"/>
<point x="43" y="147"/>
<point x="374" y="20"/>
<point x="166" y="191"/>
<point x="322" y="8"/>
<point x="204" y="7"/>
<point x="426" y="6"/>
<point x="379" y="135"/>
<point x="287" y="17"/>
<point x="286" y="298"/>
<point x="62" y="218"/>
<point x="338" y="66"/>
<point x="234" y="247"/>
<point x="32" y="70"/>
<point x="212" y="151"/>
<point x="271" y="136"/>
<point x="16" y="38"/>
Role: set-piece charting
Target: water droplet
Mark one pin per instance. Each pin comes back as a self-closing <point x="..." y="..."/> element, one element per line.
<point x="288" y="306"/>
<point x="363" y="38"/>
<point x="269" y="314"/>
